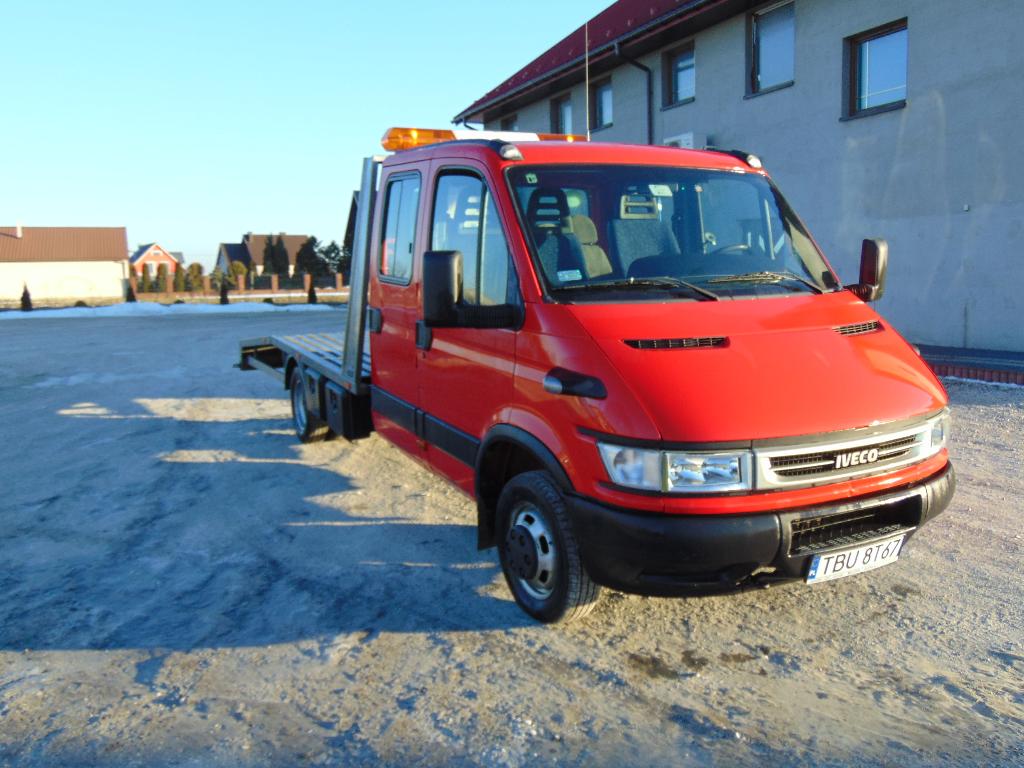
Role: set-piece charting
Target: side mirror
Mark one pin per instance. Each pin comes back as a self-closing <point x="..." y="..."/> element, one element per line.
<point x="442" y="288"/>
<point x="874" y="259"/>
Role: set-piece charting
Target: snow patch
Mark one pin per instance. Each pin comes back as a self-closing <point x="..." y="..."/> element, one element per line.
<point x="154" y="309"/>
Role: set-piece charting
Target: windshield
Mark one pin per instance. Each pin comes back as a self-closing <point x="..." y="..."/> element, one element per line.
<point x="652" y="230"/>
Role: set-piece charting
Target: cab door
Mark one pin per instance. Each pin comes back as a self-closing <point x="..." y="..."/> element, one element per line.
<point x="466" y="374"/>
<point x="394" y="309"/>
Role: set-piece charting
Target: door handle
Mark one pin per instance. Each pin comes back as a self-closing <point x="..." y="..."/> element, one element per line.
<point x="424" y="335"/>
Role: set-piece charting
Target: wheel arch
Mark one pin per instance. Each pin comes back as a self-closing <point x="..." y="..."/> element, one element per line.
<point x="505" y="452"/>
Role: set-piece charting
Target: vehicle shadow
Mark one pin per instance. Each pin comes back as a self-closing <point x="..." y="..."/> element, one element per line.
<point x="225" y="532"/>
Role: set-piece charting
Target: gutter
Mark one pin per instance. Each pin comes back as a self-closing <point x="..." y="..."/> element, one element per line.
<point x="650" y="89"/>
<point x="687" y="8"/>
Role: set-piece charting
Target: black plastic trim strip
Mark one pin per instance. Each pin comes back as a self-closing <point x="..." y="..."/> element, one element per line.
<point x="438" y="433"/>
<point x="638" y="442"/>
<point x="451" y="440"/>
<point x="394" y="408"/>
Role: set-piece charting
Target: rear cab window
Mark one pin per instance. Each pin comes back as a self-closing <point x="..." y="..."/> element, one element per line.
<point x="398" y="235"/>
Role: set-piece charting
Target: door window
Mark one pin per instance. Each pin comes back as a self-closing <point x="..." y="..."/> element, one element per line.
<point x="465" y="220"/>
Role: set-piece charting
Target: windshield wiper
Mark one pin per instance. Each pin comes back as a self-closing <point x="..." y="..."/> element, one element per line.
<point x="643" y="282"/>
<point x="766" y="277"/>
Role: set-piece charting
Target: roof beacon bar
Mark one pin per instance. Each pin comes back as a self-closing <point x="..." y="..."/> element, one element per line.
<point x="397" y="139"/>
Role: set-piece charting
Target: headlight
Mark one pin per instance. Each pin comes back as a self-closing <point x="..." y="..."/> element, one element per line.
<point x="940" y="432"/>
<point x="696" y="472"/>
<point x="676" y="472"/>
<point x="632" y="467"/>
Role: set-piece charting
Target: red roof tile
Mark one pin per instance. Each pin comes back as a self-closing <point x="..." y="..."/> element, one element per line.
<point x="623" y="20"/>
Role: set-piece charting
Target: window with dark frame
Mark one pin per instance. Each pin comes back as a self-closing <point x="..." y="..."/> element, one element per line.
<point x="601" y="104"/>
<point x="561" y="115"/>
<point x="772" y="43"/>
<point x="679" y="76"/>
<point x="510" y="123"/>
<point x="399" y="233"/>
<point x="875" y="70"/>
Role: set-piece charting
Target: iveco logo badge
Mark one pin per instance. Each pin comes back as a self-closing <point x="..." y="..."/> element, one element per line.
<point x="853" y="458"/>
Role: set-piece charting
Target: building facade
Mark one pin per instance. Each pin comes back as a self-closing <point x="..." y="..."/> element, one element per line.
<point x="63" y="264"/>
<point x="897" y="119"/>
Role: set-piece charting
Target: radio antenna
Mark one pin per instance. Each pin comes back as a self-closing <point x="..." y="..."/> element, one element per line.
<point x="586" y="74"/>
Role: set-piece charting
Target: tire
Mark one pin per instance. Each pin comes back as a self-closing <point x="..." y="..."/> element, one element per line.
<point x="538" y="551"/>
<point x="308" y="426"/>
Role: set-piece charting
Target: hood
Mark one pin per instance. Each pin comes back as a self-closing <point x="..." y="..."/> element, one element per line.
<point x="768" y="368"/>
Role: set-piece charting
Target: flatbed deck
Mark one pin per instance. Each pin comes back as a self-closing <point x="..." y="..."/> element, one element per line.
<point x="323" y="352"/>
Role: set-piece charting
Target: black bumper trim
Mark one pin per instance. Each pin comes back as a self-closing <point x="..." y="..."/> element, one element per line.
<point x="692" y="554"/>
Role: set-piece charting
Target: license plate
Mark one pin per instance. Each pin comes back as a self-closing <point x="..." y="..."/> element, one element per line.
<point x="835" y="565"/>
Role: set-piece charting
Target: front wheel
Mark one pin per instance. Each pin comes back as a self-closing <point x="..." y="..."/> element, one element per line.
<point x="308" y="427"/>
<point x="538" y="551"/>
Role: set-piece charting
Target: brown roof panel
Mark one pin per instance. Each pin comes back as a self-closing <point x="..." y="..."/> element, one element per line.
<point x="38" y="244"/>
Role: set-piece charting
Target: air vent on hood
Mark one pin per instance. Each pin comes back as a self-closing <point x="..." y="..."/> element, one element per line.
<point x="700" y="341"/>
<point x="858" y="328"/>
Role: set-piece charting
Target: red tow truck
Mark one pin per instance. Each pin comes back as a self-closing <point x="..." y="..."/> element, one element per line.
<point x="635" y="359"/>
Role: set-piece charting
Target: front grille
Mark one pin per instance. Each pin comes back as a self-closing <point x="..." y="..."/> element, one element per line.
<point x="691" y="343"/>
<point x="824" y="463"/>
<point x="799" y="466"/>
<point x="858" y="328"/>
<point x="846" y="529"/>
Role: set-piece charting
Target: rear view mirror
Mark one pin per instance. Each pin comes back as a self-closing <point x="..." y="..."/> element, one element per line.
<point x="442" y="288"/>
<point x="874" y="260"/>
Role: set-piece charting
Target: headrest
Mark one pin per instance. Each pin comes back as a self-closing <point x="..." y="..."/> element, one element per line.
<point x="638" y="206"/>
<point x="584" y="229"/>
<point x="548" y="208"/>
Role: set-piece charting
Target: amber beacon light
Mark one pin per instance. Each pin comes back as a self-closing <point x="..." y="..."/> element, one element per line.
<point x="397" y="139"/>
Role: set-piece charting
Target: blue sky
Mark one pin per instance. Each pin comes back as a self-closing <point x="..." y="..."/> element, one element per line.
<point x="191" y="123"/>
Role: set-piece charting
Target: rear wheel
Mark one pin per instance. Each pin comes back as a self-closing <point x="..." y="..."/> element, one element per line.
<point x="538" y="551"/>
<point x="308" y="426"/>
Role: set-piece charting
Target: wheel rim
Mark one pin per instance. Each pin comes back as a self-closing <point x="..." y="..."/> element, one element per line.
<point x="530" y="551"/>
<point x="299" y="406"/>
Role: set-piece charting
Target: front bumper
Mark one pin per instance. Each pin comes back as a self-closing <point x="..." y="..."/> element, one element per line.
<point x="692" y="554"/>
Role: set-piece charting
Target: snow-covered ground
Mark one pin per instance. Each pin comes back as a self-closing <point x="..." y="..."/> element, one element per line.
<point x="182" y="583"/>
<point x="154" y="309"/>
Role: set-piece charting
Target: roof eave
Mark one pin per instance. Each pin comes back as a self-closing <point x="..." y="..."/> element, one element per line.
<point x="694" y="8"/>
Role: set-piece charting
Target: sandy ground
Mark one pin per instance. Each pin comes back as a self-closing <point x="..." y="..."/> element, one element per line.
<point x="181" y="583"/>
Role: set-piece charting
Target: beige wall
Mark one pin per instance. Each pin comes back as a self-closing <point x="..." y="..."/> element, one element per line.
<point x="64" y="279"/>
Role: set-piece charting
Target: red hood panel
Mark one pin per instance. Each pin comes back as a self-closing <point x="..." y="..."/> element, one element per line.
<point x="783" y="372"/>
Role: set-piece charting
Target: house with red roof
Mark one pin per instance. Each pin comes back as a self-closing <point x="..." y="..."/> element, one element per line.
<point x="151" y="255"/>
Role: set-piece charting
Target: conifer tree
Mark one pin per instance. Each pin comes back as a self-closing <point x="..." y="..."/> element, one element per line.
<point x="268" y="256"/>
<point x="26" y="300"/>
<point x="195" y="276"/>
<point x="161" y="278"/>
